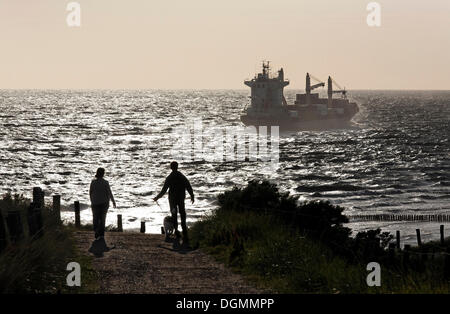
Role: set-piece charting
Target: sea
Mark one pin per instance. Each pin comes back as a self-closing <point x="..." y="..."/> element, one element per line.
<point x="393" y="158"/>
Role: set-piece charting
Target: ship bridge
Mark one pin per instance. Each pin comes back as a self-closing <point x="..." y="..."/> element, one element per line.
<point x="267" y="91"/>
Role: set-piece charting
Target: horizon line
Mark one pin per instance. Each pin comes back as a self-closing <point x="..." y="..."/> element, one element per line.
<point x="201" y="89"/>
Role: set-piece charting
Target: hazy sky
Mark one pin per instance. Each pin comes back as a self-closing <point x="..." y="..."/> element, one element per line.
<point x="212" y="44"/>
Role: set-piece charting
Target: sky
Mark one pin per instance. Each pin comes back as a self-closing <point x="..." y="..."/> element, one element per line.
<point x="212" y="44"/>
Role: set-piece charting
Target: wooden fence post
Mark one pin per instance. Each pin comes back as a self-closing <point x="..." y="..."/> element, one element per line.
<point x="119" y="223"/>
<point x="38" y="197"/>
<point x="447" y="263"/>
<point x="77" y="214"/>
<point x="142" y="226"/>
<point x="442" y="234"/>
<point x="15" y="226"/>
<point x="419" y="240"/>
<point x="34" y="218"/>
<point x="398" y="239"/>
<point x="57" y="207"/>
<point x="3" y="242"/>
<point x="406" y="255"/>
<point x="391" y="252"/>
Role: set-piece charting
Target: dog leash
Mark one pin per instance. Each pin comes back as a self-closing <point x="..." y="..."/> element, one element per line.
<point x="158" y="205"/>
<point x="161" y="207"/>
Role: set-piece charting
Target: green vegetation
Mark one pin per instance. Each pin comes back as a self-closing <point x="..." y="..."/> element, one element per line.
<point x="286" y="247"/>
<point x="39" y="265"/>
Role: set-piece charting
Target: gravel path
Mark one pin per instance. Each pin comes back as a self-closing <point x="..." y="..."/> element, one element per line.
<point x="145" y="263"/>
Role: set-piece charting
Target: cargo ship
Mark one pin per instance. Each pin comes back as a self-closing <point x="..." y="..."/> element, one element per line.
<point x="268" y="106"/>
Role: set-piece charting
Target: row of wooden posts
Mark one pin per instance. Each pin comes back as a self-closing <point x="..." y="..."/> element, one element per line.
<point x="12" y="227"/>
<point x="119" y="219"/>
<point x="425" y="218"/>
<point x="76" y="206"/>
<point x="419" y="238"/>
<point x="120" y="228"/>
<point x="401" y="217"/>
<point x="14" y="224"/>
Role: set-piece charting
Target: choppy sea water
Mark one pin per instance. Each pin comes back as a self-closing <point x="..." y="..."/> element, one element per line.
<point x="393" y="159"/>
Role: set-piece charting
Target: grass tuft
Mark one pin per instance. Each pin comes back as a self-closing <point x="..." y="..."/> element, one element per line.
<point x="39" y="265"/>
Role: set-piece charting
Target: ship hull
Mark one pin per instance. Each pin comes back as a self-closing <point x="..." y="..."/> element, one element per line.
<point x="289" y="124"/>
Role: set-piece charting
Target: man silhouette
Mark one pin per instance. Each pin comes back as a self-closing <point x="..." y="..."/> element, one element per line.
<point x="177" y="184"/>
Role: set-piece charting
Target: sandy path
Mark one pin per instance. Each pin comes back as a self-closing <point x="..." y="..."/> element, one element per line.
<point x="145" y="263"/>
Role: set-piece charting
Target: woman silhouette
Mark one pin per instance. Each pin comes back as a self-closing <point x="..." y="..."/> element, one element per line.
<point x="100" y="195"/>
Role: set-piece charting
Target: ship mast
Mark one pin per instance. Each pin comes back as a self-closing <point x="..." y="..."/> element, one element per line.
<point x="309" y="88"/>
<point x="330" y="91"/>
<point x="266" y="69"/>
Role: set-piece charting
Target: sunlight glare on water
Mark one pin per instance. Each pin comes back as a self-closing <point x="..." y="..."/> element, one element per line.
<point x="395" y="158"/>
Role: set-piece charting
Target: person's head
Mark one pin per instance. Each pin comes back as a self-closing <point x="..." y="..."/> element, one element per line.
<point x="100" y="173"/>
<point x="174" y="166"/>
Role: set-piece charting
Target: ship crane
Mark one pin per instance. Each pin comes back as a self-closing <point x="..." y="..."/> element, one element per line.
<point x="310" y="87"/>
<point x="341" y="90"/>
<point x="320" y="84"/>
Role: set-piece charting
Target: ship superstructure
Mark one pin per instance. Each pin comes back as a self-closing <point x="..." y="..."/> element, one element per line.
<point x="269" y="107"/>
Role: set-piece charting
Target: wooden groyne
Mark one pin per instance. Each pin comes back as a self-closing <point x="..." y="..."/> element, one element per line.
<point x="400" y="217"/>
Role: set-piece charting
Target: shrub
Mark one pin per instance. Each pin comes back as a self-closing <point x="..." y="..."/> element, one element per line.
<point x="318" y="219"/>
